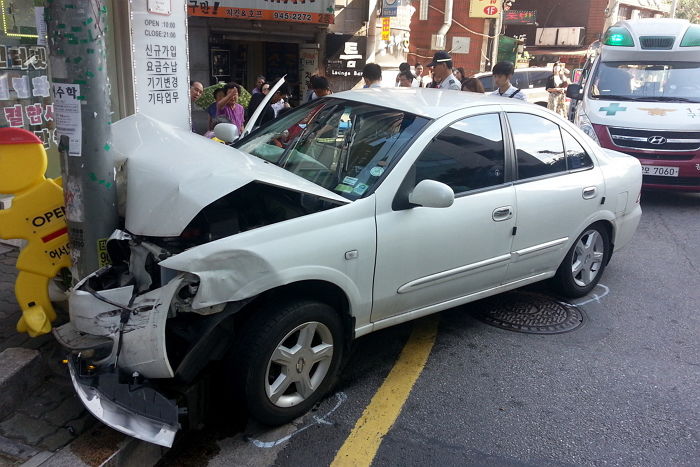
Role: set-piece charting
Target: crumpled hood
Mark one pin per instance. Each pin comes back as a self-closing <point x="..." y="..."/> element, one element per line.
<point x="172" y="174"/>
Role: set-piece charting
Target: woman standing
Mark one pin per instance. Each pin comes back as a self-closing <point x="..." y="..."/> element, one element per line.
<point x="472" y="85"/>
<point x="459" y="74"/>
<point x="230" y="108"/>
<point x="556" y="87"/>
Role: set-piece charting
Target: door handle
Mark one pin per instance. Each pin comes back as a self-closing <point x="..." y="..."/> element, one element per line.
<point x="589" y="192"/>
<point x="502" y="213"/>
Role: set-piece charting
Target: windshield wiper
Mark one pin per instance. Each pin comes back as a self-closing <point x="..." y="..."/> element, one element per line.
<point x="613" y="97"/>
<point x="675" y="99"/>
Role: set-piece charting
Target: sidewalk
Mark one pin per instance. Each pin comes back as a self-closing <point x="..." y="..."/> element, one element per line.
<point x="50" y="415"/>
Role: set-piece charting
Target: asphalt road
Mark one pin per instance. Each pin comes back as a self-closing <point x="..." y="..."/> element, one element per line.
<point x="623" y="389"/>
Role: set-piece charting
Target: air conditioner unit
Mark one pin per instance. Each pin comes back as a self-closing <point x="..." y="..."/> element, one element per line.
<point x="437" y="42"/>
<point x="562" y="37"/>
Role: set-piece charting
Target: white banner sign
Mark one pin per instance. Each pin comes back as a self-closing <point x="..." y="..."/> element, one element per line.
<point x="160" y="62"/>
<point x="66" y="111"/>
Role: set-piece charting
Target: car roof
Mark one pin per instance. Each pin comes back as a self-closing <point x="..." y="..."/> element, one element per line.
<point x="426" y="102"/>
<point x="531" y="68"/>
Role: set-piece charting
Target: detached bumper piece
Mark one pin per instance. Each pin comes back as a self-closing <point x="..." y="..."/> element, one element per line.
<point x="134" y="409"/>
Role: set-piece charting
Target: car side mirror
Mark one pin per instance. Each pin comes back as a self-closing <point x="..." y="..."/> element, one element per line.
<point x="432" y="194"/>
<point x="227" y="132"/>
<point x="574" y="91"/>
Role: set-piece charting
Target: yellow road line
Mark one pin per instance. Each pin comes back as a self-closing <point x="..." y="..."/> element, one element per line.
<point x="361" y="446"/>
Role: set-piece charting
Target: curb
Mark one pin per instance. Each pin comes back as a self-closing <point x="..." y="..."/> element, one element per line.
<point x="21" y="371"/>
<point x="100" y="447"/>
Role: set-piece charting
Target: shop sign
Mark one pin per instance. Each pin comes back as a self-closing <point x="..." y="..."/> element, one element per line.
<point x="25" y="91"/>
<point x="160" y="62"/>
<point x="346" y="55"/>
<point x="389" y="8"/>
<point x="386" y="29"/>
<point x="301" y="11"/>
<point x="520" y="17"/>
<point x="485" y="8"/>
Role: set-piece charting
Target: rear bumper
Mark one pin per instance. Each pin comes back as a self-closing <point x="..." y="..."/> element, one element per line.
<point x="155" y="420"/>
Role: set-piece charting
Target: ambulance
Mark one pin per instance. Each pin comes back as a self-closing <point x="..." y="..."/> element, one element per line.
<point x="641" y="96"/>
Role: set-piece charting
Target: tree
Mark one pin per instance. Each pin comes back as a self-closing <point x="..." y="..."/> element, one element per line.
<point x="689" y="9"/>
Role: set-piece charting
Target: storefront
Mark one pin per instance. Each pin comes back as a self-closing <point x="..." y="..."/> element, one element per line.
<point x="25" y="91"/>
<point x="237" y="41"/>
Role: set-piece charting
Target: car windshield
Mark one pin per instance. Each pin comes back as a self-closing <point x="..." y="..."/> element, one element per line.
<point x="670" y="81"/>
<point x="343" y="146"/>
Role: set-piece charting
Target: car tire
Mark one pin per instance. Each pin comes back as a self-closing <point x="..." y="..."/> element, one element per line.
<point x="278" y="350"/>
<point x="585" y="262"/>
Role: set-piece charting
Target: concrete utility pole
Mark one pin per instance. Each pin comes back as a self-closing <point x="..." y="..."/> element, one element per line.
<point x="76" y="39"/>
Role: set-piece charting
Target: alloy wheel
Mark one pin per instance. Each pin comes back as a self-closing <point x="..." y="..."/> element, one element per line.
<point x="299" y="364"/>
<point x="587" y="260"/>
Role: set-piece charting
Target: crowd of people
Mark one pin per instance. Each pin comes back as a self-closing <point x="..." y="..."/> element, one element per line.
<point x="439" y="73"/>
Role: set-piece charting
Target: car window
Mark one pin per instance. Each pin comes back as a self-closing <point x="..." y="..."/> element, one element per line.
<point x="467" y="155"/>
<point x="576" y="156"/>
<point x="487" y="82"/>
<point x="538" y="144"/>
<point x="341" y="145"/>
<point x="519" y="80"/>
<point x="538" y="79"/>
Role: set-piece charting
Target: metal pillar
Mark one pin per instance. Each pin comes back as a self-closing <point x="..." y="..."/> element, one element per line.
<point x="77" y="45"/>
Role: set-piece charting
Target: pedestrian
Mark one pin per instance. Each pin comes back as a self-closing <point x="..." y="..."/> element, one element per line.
<point x="268" y="113"/>
<point x="259" y="81"/>
<point x="405" y="79"/>
<point x="442" y="72"/>
<point x="420" y="80"/>
<point x="556" y="87"/>
<point x="198" y="117"/>
<point x="229" y="106"/>
<point x="321" y="86"/>
<point x="212" y="110"/>
<point x="473" y="85"/>
<point x="402" y="67"/>
<point x="372" y="74"/>
<point x="196" y="90"/>
<point x="459" y="74"/>
<point x="502" y="72"/>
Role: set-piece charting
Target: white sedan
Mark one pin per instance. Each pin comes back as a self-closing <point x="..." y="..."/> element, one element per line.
<point x="347" y="215"/>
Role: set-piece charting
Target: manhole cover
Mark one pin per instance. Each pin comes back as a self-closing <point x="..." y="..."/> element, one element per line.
<point x="529" y="312"/>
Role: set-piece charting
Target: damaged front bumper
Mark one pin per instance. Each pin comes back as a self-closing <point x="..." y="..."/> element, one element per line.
<point x="134" y="409"/>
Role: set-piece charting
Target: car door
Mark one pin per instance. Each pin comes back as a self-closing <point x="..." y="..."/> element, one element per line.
<point x="428" y="256"/>
<point x="558" y="188"/>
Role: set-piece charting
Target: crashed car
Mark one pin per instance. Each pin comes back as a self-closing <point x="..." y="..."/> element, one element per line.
<point x="350" y="214"/>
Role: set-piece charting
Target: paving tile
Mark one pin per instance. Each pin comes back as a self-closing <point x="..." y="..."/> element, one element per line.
<point x="28" y="429"/>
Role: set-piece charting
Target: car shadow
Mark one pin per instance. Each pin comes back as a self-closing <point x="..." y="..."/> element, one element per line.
<point x="670" y="198"/>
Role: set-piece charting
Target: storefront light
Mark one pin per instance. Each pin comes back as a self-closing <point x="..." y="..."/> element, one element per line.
<point x="3" y="13"/>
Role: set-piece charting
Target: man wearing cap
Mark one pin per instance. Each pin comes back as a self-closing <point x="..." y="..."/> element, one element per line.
<point x="442" y="72"/>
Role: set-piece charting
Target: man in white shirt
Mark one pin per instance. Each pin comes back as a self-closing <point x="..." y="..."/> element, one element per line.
<point x="502" y="72"/>
<point x="442" y="71"/>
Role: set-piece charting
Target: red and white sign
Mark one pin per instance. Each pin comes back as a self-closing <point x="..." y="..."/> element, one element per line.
<point x="485" y="8"/>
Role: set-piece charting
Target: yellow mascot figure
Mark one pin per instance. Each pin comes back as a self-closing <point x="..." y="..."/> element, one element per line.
<point x="38" y="216"/>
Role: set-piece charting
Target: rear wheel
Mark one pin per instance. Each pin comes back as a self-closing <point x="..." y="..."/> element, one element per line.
<point x="288" y="359"/>
<point x="585" y="262"/>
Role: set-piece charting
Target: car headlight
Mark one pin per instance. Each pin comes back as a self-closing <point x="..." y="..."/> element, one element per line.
<point x="584" y="123"/>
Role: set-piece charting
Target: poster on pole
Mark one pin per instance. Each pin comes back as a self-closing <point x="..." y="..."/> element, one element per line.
<point x="160" y="60"/>
<point x="66" y="113"/>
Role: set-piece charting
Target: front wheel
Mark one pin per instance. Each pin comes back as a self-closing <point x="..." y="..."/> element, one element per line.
<point x="288" y="359"/>
<point x="584" y="264"/>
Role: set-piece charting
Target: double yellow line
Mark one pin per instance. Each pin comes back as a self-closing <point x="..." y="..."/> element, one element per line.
<point x="378" y="417"/>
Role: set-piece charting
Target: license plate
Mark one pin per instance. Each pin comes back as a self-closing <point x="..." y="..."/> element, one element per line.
<point x="660" y="170"/>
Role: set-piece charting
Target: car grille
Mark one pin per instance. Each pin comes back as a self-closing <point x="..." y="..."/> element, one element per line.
<point x="678" y="181"/>
<point x="668" y="140"/>
<point x="657" y="42"/>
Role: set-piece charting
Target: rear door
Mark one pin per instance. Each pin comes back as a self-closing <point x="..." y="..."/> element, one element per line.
<point x="558" y="189"/>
